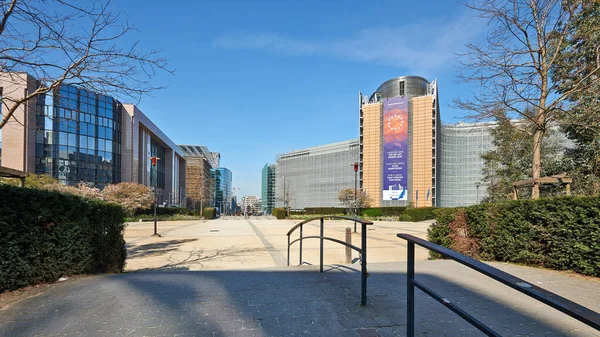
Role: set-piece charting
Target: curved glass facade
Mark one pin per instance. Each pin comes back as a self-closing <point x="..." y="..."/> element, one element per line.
<point x="79" y="137"/>
<point x="461" y="163"/>
<point x="409" y="86"/>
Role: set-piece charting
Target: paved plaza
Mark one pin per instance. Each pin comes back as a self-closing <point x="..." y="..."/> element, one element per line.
<point x="208" y="285"/>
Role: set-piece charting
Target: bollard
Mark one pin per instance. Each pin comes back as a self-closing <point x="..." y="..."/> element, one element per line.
<point x="348" y="241"/>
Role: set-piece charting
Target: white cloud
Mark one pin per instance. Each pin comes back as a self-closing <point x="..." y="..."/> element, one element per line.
<point x="428" y="45"/>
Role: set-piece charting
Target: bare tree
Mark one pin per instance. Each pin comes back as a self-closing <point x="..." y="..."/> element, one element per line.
<point x="347" y="197"/>
<point x="63" y="41"/>
<point x="513" y="66"/>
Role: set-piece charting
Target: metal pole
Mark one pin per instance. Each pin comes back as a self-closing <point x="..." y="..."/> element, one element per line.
<point x="301" y="244"/>
<point x="322" y="233"/>
<point x="355" y="201"/>
<point x="363" y="262"/>
<point x="348" y="241"/>
<point x="288" y="250"/>
<point x="410" y="291"/>
<point x="155" y="201"/>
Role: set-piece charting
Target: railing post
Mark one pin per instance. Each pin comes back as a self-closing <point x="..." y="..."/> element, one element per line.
<point x="354" y="226"/>
<point x="322" y="234"/>
<point x="410" y="291"/>
<point x="288" y="250"/>
<point x="301" y="244"/>
<point x="363" y="262"/>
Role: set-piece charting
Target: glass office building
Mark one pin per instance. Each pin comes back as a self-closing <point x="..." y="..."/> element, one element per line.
<point x="461" y="163"/>
<point x="78" y="137"/>
<point x="222" y="179"/>
<point x="313" y="177"/>
<point x="268" y="188"/>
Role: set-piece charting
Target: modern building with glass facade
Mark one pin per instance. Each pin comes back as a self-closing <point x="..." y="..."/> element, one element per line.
<point x="268" y="188"/>
<point x="313" y="177"/>
<point x="223" y="189"/>
<point x="76" y="136"/>
<point x="72" y="134"/>
<point x="399" y="128"/>
<point x="462" y="146"/>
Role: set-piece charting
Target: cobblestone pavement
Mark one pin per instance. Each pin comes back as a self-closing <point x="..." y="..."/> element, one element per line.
<point x="295" y="301"/>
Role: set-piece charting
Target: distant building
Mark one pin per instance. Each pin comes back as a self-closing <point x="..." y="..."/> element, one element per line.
<point x="313" y="177"/>
<point x="251" y="204"/>
<point x="268" y="188"/>
<point x="142" y="139"/>
<point x="200" y="188"/>
<point x="223" y="189"/>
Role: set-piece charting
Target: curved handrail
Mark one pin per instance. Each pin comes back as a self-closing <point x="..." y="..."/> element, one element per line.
<point x="331" y="217"/>
<point x="330" y="239"/>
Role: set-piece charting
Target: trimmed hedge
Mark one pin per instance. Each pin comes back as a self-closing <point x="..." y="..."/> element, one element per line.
<point x="209" y="212"/>
<point x="325" y="210"/>
<point x="560" y="233"/>
<point x="164" y="211"/>
<point x="420" y="214"/>
<point x="45" y="235"/>
<point x="279" y="213"/>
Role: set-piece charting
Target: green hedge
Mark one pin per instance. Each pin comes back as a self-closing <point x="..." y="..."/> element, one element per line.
<point x="45" y="235"/>
<point x="420" y="214"/>
<point x="209" y="212"/>
<point x="559" y="233"/>
<point x="325" y="210"/>
<point x="164" y="211"/>
<point x="279" y="213"/>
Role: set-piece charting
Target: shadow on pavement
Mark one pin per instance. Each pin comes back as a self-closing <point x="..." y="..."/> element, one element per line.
<point x="197" y="257"/>
<point x="156" y="248"/>
<point x="277" y="302"/>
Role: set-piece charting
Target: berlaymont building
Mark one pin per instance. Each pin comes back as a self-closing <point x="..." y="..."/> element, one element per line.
<point x="406" y="155"/>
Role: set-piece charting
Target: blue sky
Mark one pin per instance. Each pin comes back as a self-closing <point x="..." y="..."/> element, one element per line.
<point x="254" y="79"/>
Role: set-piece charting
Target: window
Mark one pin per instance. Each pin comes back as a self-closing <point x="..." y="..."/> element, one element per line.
<point x="401" y="88"/>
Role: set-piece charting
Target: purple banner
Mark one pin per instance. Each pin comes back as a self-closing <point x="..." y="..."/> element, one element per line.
<point x="395" y="148"/>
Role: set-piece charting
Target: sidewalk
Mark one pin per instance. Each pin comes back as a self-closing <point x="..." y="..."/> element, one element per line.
<point x="295" y="301"/>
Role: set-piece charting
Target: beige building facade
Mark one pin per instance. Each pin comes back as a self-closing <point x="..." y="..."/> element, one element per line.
<point x="419" y="187"/>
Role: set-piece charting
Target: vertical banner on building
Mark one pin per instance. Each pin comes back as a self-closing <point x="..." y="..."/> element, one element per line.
<point x="395" y="148"/>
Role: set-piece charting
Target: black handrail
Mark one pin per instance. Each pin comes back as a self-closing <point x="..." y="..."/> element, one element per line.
<point x="362" y="251"/>
<point x="557" y="302"/>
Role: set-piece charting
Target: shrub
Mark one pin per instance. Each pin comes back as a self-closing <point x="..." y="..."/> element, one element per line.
<point x="405" y="217"/>
<point x="420" y="214"/>
<point x="46" y="234"/>
<point x="279" y="213"/>
<point x="209" y="212"/>
<point x="372" y="212"/>
<point x="560" y="233"/>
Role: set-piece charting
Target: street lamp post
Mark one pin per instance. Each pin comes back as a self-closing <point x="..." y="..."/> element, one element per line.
<point x="477" y="184"/>
<point x="154" y="160"/>
<point x="355" y="192"/>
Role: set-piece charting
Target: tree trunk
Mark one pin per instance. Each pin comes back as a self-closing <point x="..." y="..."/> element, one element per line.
<point x="537" y="167"/>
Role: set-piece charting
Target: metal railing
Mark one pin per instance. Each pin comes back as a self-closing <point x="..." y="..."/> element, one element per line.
<point x="362" y="250"/>
<point x="557" y="302"/>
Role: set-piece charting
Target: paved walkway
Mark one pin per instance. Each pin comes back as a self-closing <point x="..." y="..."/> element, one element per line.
<point x="288" y="301"/>
<point x="295" y="301"/>
<point x="238" y="243"/>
